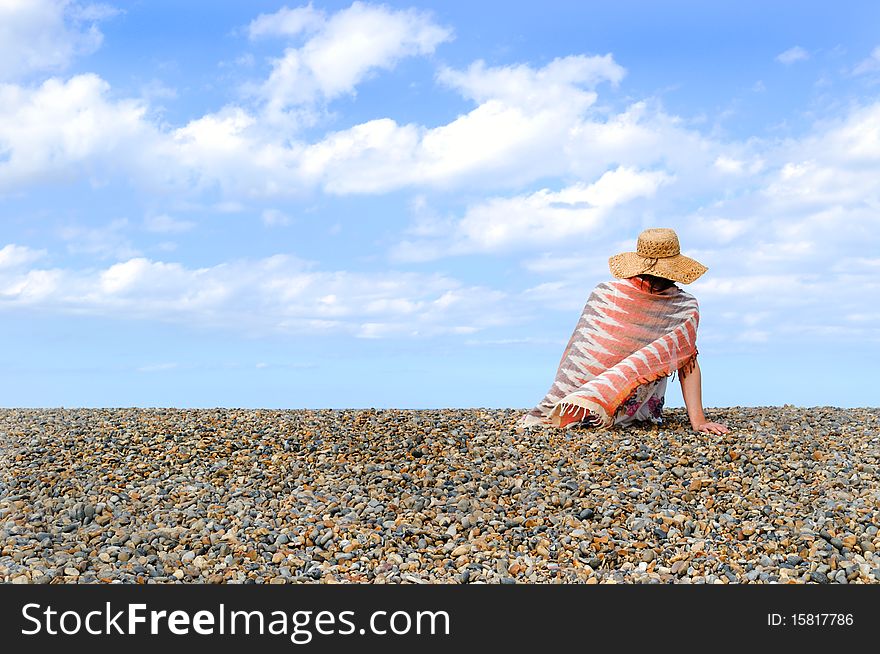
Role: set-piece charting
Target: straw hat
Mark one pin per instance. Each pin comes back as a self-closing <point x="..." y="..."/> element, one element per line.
<point x="657" y="253"/>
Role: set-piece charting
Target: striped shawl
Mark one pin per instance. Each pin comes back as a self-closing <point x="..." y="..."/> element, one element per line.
<point x="626" y="337"/>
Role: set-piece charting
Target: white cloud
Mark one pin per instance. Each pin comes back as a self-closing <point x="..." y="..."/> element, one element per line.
<point x="788" y="229"/>
<point x="62" y="130"/>
<point x="793" y="55"/>
<point x="232" y="151"/>
<point x="73" y="129"/>
<point x="563" y="80"/>
<point x="820" y="200"/>
<point x="15" y="256"/>
<point x="529" y="123"/>
<point x="164" y="224"/>
<point x="813" y="199"/>
<point x="341" y="50"/>
<point x="869" y="65"/>
<point x="644" y="135"/>
<point x="67" y="130"/>
<point x="792" y="219"/>
<point x="46" y="35"/>
<point x="275" y="294"/>
<point x="287" y="22"/>
<point x="540" y="218"/>
<point x="729" y="165"/>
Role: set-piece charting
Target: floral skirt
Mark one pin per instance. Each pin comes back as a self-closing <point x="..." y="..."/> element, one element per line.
<point x="645" y="404"/>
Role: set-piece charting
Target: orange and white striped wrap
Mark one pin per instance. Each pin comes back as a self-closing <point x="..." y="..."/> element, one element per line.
<point x="626" y="337"/>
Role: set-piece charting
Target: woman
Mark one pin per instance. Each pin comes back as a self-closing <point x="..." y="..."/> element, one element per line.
<point x="634" y="332"/>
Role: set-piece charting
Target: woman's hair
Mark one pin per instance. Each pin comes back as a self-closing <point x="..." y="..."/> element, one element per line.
<point x="657" y="284"/>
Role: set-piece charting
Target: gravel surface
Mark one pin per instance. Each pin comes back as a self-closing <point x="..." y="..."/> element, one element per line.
<point x="439" y="496"/>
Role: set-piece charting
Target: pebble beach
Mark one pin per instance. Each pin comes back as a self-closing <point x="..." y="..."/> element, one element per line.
<point x="790" y="495"/>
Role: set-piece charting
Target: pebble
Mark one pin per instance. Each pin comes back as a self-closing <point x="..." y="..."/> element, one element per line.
<point x="461" y="550"/>
<point x="447" y="495"/>
<point x="819" y="577"/>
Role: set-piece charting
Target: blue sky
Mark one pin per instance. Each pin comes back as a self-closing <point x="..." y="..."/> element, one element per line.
<point x="406" y="204"/>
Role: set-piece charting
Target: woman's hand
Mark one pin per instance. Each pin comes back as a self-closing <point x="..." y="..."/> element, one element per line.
<point x="692" y="393"/>
<point x="710" y="427"/>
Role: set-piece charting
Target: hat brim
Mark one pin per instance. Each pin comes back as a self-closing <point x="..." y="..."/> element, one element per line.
<point x="678" y="268"/>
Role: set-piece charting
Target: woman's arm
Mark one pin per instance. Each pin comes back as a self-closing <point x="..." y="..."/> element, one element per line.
<point x="692" y="392"/>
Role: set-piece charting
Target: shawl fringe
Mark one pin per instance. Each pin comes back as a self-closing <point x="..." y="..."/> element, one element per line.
<point x="568" y="413"/>
<point x="688" y="366"/>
